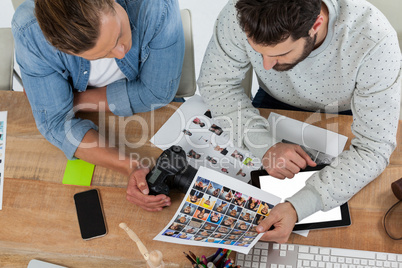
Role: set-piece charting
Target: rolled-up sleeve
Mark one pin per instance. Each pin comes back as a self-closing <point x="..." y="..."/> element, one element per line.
<point x="50" y="96"/>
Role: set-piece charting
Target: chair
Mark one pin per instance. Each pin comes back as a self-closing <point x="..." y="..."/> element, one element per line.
<point x="187" y="86"/>
<point x="6" y="59"/>
<point x="7" y="72"/>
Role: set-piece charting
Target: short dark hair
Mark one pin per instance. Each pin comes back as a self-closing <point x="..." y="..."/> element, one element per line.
<point x="269" y="22"/>
<point x="72" y="26"/>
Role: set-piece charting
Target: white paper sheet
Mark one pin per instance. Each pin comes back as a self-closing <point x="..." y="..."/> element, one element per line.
<point x="321" y="144"/>
<point x="288" y="187"/>
<point x="203" y="146"/>
<point x="197" y="222"/>
<point x="3" y="130"/>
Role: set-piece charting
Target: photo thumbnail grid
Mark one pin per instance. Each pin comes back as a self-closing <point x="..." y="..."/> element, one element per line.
<point x="214" y="213"/>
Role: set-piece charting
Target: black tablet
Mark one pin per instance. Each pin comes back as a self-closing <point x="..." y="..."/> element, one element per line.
<point x="337" y="217"/>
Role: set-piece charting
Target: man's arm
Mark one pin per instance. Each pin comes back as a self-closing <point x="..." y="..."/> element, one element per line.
<point x="93" y="151"/>
<point x="375" y="108"/>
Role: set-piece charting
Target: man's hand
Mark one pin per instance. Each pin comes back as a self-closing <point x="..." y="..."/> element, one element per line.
<point x="137" y="192"/>
<point x="284" y="160"/>
<point x="283" y="217"/>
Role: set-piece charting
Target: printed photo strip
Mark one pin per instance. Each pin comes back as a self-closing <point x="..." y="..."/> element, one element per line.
<point x="214" y="214"/>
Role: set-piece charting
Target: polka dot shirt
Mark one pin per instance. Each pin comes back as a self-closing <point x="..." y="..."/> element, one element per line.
<point x="357" y="67"/>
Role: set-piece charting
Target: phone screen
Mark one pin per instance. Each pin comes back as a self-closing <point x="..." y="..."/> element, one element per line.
<point x="90" y="214"/>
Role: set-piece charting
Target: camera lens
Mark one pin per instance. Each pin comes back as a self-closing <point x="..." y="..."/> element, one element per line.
<point x="176" y="149"/>
<point x="183" y="180"/>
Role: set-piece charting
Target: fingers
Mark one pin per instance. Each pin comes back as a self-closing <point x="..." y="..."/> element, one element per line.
<point x="285" y="160"/>
<point x="137" y="192"/>
<point x="283" y="217"/>
<point x="306" y="157"/>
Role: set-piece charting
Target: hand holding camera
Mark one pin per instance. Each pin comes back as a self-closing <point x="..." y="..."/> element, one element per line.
<point x="171" y="171"/>
<point x="137" y="192"/>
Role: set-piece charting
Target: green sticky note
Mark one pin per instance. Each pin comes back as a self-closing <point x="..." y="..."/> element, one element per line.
<point x="78" y="172"/>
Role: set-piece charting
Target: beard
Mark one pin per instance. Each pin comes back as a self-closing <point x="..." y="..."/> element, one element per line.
<point x="308" y="47"/>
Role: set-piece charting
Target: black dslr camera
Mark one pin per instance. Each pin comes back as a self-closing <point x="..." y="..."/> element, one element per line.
<point x="171" y="171"/>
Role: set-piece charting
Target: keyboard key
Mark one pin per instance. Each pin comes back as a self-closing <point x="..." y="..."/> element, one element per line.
<point x="261" y="245"/>
<point x="282" y="253"/>
<point x="247" y="264"/>
<point x="264" y="252"/>
<point x="283" y="247"/>
<point x="256" y="258"/>
<point x="305" y="256"/>
<point x="304" y="249"/>
<point x="249" y="257"/>
<point x="255" y="265"/>
<point x="264" y="259"/>
<point x="273" y="265"/>
<point x="352" y="253"/>
<point x="240" y="256"/>
<point x="263" y="265"/>
<point x="257" y="251"/>
<point x="275" y="246"/>
<point x="324" y="251"/>
<point x="314" y="250"/>
<point x="291" y="247"/>
<point x="381" y="256"/>
<point x="392" y="257"/>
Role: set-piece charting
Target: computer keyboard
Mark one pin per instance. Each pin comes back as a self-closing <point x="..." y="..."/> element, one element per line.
<point x="273" y="255"/>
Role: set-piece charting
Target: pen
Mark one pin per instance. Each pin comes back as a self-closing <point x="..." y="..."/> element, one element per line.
<point x="204" y="260"/>
<point x="221" y="259"/>
<point x="189" y="258"/>
<point x="228" y="253"/>
<point x="227" y="263"/>
<point x="213" y="256"/>
<point x="192" y="255"/>
<point x="217" y="258"/>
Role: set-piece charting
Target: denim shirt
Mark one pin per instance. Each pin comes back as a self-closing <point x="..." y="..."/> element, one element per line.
<point x="50" y="77"/>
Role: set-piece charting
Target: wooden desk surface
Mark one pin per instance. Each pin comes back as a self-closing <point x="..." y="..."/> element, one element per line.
<point x="38" y="219"/>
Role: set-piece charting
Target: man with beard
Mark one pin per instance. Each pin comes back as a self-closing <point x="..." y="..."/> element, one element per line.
<point x="333" y="56"/>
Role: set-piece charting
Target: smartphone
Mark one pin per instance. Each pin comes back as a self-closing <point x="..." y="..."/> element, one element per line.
<point x="90" y="214"/>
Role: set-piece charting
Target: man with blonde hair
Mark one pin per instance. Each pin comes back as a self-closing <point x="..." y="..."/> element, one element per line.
<point x="98" y="55"/>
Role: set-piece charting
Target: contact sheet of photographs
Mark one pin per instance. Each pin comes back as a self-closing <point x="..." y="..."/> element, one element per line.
<point x="3" y="127"/>
<point x="205" y="141"/>
<point x="219" y="211"/>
